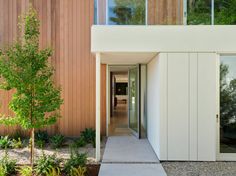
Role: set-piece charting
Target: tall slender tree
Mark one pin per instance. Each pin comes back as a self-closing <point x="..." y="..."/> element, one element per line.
<point x="25" y="69"/>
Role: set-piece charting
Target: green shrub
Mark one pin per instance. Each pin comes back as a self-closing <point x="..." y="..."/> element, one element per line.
<point x="57" y="141"/>
<point x="41" y="138"/>
<point x="2" y="171"/>
<point x="16" y="143"/>
<point x="5" y="142"/>
<point x="7" y="165"/>
<point x="76" y="160"/>
<point x="40" y="143"/>
<point x="25" y="171"/>
<point x="45" y="163"/>
<point x="89" y="135"/>
<point x="81" y="142"/>
<point x="80" y="171"/>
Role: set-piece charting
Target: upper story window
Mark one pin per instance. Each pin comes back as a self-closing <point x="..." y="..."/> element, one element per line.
<point x="187" y="12"/>
<point x="225" y="12"/>
<point x="199" y="12"/>
<point x="205" y="12"/>
<point x="126" y="12"/>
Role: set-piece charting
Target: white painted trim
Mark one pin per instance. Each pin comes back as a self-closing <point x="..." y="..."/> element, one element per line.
<point x="226" y="157"/>
<point x="98" y="109"/>
<point x="218" y="106"/>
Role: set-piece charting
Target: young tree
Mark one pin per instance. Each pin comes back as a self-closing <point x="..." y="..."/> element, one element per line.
<point x="26" y="70"/>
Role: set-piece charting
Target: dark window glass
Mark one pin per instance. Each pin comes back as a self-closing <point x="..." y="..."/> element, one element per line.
<point x="121" y="88"/>
<point x="126" y="12"/>
<point x="199" y="12"/>
<point x="228" y="104"/>
<point x="225" y="12"/>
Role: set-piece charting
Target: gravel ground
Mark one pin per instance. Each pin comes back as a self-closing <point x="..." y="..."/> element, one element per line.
<point x="22" y="155"/>
<point x="200" y="168"/>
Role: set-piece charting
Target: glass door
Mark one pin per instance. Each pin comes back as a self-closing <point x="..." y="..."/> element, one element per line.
<point x="227" y="127"/>
<point x="134" y="117"/>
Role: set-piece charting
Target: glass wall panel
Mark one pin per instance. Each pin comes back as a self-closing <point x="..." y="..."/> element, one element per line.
<point x="199" y="12"/>
<point x="228" y="104"/>
<point x="126" y="12"/>
<point x="225" y="12"/>
<point x="95" y="12"/>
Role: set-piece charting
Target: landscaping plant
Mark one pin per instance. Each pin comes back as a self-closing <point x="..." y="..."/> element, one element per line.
<point x="89" y="135"/>
<point x="80" y="171"/>
<point x="45" y="163"/>
<point x="57" y="141"/>
<point x="7" y="165"/>
<point x="5" y="142"/>
<point x="25" y="171"/>
<point x="26" y="69"/>
<point x="76" y="160"/>
<point x="2" y="171"/>
<point x="16" y="143"/>
<point x="54" y="171"/>
<point x="81" y="142"/>
<point x="41" y="138"/>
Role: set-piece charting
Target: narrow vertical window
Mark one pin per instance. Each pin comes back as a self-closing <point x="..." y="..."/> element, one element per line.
<point x="228" y="104"/>
<point x="95" y="12"/>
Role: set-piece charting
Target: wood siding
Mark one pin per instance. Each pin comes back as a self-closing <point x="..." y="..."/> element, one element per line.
<point x="166" y="12"/>
<point x="65" y="26"/>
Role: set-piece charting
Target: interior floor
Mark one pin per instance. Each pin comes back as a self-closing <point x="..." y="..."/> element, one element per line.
<point x="119" y="121"/>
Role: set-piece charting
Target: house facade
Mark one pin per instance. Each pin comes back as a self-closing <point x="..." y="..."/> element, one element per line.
<point x="169" y="65"/>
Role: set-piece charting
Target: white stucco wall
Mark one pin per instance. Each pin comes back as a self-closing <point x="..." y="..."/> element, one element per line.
<point x="156" y="126"/>
<point x="182" y="106"/>
<point x="163" y="38"/>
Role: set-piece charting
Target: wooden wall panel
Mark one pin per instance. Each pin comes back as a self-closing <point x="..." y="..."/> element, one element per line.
<point x="165" y="12"/>
<point x="65" y="26"/>
<point x="103" y="98"/>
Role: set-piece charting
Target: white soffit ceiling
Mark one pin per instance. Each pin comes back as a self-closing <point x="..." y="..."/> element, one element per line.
<point x="126" y="58"/>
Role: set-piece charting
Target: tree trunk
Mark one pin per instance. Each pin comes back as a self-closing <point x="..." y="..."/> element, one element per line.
<point x="32" y="148"/>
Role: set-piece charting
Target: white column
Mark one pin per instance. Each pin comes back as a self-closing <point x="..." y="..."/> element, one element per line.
<point x="98" y="94"/>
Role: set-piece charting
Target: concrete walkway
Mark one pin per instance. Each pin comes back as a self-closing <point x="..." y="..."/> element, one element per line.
<point x="128" y="156"/>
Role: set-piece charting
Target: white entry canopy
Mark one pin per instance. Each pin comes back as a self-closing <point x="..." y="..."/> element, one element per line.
<point x="201" y="38"/>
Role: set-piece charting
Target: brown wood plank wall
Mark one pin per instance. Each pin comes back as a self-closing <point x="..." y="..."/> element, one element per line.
<point x="165" y="12"/>
<point x="65" y="26"/>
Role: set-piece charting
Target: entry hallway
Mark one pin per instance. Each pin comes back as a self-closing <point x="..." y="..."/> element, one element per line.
<point x="128" y="156"/>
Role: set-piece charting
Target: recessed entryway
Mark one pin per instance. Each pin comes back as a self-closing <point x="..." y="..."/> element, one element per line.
<point x="127" y="100"/>
<point x="119" y="102"/>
